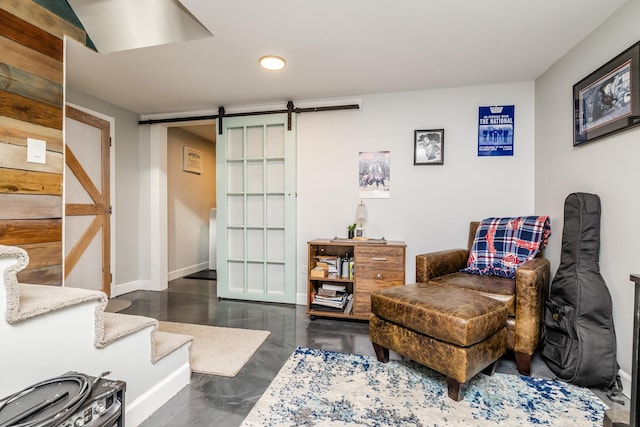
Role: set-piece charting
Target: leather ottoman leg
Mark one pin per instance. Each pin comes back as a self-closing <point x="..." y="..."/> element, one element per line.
<point x="456" y="389"/>
<point x="382" y="353"/>
<point x="490" y="370"/>
<point x="523" y="361"/>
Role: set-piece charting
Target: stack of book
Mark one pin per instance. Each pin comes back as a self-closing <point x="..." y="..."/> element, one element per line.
<point x="329" y="263"/>
<point x="331" y="297"/>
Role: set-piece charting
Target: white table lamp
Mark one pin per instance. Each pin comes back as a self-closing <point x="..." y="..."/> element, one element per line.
<point x="361" y="219"/>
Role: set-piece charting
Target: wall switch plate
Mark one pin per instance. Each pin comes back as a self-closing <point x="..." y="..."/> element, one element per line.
<point x="36" y="151"/>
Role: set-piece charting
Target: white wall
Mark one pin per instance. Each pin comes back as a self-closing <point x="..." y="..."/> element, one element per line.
<point x="190" y="197"/>
<point x="430" y="206"/>
<point x="606" y="167"/>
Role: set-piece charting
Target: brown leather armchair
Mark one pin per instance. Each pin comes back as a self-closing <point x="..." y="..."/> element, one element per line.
<point x="524" y="295"/>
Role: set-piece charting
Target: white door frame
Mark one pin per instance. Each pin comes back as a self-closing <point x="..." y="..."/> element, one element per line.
<point x="158" y="222"/>
<point x="157" y="216"/>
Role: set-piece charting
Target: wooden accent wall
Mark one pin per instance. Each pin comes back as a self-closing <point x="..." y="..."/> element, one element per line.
<point x="32" y="106"/>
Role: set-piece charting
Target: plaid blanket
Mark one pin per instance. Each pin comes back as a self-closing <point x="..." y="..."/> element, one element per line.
<point x="502" y="244"/>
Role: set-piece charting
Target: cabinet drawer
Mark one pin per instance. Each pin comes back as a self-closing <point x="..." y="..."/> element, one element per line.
<point x="379" y="275"/>
<point x="379" y="263"/>
<point x="364" y="289"/>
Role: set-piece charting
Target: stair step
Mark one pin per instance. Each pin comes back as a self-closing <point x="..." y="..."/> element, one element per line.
<point x="44" y="312"/>
<point x="167" y="342"/>
<point x="35" y="300"/>
<point x="118" y="325"/>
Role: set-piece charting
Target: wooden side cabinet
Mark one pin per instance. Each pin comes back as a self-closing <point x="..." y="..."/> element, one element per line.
<point x="376" y="265"/>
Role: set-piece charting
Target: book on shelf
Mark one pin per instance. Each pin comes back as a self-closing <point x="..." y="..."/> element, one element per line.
<point x="317" y="307"/>
<point x="349" y="307"/>
<point x="346" y="308"/>
<point x="334" y="287"/>
<point x="339" y="302"/>
<point x="336" y="303"/>
<point x="331" y="263"/>
<point x="327" y="293"/>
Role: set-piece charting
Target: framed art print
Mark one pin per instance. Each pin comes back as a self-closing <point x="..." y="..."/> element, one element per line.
<point x="608" y="100"/>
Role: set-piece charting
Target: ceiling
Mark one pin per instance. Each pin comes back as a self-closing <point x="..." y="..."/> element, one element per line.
<point x="139" y="23"/>
<point x="335" y="49"/>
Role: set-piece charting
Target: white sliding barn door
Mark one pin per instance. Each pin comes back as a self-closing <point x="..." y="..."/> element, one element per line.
<point x="255" y="175"/>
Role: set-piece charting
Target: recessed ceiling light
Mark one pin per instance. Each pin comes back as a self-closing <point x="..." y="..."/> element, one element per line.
<point x="272" y="62"/>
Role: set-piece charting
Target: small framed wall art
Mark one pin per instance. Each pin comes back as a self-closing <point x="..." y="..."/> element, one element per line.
<point x="428" y="147"/>
<point x="608" y="100"/>
<point x="191" y="160"/>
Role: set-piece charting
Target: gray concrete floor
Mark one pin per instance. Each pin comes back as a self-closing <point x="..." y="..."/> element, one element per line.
<point x="224" y="402"/>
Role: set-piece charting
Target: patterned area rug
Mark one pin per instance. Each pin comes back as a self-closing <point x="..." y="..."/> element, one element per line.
<point x="317" y="387"/>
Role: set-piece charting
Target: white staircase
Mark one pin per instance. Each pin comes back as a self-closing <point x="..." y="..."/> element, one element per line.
<point x="50" y="330"/>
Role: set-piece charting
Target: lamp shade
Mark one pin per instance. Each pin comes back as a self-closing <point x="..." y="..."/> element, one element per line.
<point x="361" y="214"/>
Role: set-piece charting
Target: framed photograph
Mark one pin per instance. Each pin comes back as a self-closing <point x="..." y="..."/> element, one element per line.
<point x="191" y="160"/>
<point x="428" y="147"/>
<point x="608" y="100"/>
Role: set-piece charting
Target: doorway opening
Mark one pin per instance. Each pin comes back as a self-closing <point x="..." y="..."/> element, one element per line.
<point x="191" y="199"/>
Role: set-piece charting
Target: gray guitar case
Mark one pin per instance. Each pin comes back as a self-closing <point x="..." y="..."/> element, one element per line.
<point x="579" y="341"/>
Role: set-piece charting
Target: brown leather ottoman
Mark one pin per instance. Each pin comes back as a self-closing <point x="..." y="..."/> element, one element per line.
<point x="453" y="331"/>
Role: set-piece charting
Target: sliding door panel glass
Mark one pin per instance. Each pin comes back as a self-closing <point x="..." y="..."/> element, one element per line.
<point x="236" y="279"/>
<point x="275" y="245"/>
<point x="255" y="210"/>
<point x="255" y="277"/>
<point x="255" y="251"/>
<point x="276" y="279"/>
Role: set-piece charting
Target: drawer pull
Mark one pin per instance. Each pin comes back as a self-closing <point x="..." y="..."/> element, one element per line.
<point x="379" y="276"/>
<point x="378" y="259"/>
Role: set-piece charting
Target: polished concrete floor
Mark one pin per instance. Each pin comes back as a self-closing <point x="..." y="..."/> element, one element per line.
<point x="220" y="401"/>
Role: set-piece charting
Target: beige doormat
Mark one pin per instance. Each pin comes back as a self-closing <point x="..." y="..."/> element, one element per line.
<point x="217" y="350"/>
<point x="116" y="305"/>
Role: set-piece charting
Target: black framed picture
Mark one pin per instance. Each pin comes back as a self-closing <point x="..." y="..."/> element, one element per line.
<point x="608" y="100"/>
<point x="428" y="147"/>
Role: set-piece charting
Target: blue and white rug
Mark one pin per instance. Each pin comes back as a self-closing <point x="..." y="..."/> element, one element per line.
<point x="324" y="388"/>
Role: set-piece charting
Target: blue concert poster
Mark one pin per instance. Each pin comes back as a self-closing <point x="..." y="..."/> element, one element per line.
<point x="495" y="130"/>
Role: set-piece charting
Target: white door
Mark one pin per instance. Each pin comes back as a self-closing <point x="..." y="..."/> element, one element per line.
<point x="87" y="217"/>
<point x="256" y="209"/>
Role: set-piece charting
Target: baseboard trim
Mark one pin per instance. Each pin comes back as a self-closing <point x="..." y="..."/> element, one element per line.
<point x="125" y="288"/>
<point x="625" y="378"/>
<point x="301" y="299"/>
<point x="145" y="405"/>
<point x="181" y="272"/>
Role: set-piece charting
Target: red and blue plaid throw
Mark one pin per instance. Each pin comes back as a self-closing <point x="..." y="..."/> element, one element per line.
<point x="501" y="245"/>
